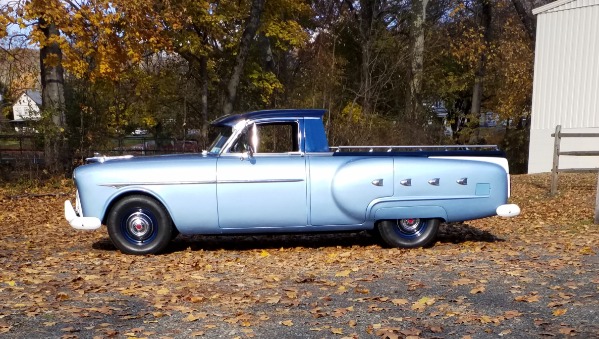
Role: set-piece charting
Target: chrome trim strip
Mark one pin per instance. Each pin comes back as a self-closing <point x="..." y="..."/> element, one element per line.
<point x="124" y="184"/>
<point x="264" y="181"/>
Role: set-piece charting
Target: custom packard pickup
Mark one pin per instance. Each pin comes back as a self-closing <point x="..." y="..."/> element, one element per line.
<point x="273" y="171"/>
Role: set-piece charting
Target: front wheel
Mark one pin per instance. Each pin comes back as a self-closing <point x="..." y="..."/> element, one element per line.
<point x="409" y="233"/>
<point x="138" y="224"/>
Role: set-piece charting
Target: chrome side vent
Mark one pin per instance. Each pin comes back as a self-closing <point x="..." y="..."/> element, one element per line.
<point x="406" y="182"/>
<point x="434" y="182"/>
<point x="377" y="182"/>
<point x="462" y="181"/>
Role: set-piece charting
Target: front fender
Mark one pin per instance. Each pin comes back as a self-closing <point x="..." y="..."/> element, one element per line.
<point x="131" y="190"/>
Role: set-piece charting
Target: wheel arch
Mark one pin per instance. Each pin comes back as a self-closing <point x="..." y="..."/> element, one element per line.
<point x="131" y="192"/>
<point x="405" y="212"/>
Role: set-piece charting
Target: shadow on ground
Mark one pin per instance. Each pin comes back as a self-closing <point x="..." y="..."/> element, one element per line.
<point x="454" y="233"/>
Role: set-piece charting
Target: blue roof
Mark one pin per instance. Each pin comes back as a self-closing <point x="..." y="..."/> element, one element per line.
<point x="230" y="120"/>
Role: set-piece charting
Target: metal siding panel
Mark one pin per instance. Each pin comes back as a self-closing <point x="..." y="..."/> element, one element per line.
<point x="593" y="97"/>
<point x="542" y="77"/>
<point x="565" y="68"/>
<point x="557" y="86"/>
<point x="566" y="77"/>
<point x="573" y="72"/>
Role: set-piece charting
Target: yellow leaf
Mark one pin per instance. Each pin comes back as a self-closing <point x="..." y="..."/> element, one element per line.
<point x="191" y="318"/>
<point x="559" y="312"/>
<point x="337" y="330"/>
<point x="485" y="319"/>
<point x="587" y="251"/>
<point x="287" y="323"/>
<point x="273" y="300"/>
<point x="196" y="299"/>
<point x="399" y="302"/>
<point x="344" y="273"/>
<point x="11" y="283"/>
<point x="264" y="253"/>
<point x="476" y="290"/>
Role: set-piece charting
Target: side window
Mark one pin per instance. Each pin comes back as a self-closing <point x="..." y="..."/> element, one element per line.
<point x="242" y="144"/>
<point x="277" y="138"/>
<point x="280" y="137"/>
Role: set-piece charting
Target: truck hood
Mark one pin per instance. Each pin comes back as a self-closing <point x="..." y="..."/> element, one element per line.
<point x="151" y="170"/>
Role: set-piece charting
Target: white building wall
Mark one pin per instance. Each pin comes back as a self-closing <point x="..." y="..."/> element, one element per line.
<point x="566" y="82"/>
<point x="25" y="109"/>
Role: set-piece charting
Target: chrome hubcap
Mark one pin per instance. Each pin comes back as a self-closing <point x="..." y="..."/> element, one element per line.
<point x="140" y="226"/>
<point x="409" y="225"/>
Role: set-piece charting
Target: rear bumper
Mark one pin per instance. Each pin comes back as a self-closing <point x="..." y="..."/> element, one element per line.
<point x="80" y="223"/>
<point x="508" y="210"/>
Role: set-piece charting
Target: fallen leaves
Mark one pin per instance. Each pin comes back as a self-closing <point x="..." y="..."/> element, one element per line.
<point x="344" y="273"/>
<point x="344" y="286"/>
<point x="559" y="311"/>
<point x="286" y="323"/>
<point x="532" y="298"/>
<point x="478" y="289"/>
<point x="422" y="303"/>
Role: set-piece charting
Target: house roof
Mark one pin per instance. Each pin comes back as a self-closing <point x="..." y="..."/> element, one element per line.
<point x="230" y="120"/>
<point x="570" y="5"/>
<point x="35" y="95"/>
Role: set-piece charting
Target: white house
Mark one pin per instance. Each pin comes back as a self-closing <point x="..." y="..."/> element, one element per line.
<point x="566" y="83"/>
<point x="26" y="108"/>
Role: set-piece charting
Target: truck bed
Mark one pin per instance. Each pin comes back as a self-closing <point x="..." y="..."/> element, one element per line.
<point x="421" y="151"/>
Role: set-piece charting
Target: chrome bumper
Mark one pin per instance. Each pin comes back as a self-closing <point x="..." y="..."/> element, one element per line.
<point x="508" y="210"/>
<point x="80" y="223"/>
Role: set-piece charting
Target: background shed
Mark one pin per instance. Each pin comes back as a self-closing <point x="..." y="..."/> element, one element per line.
<point x="566" y="82"/>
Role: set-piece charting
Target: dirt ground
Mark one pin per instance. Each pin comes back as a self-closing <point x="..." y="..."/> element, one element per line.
<point x="532" y="276"/>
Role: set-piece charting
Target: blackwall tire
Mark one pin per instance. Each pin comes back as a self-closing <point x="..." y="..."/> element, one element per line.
<point x="138" y="224"/>
<point x="409" y="233"/>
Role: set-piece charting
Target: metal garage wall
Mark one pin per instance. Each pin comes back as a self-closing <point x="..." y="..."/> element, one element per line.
<point x="566" y="80"/>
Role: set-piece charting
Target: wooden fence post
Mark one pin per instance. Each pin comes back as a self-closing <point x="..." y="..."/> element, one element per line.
<point x="597" y="204"/>
<point x="554" y="168"/>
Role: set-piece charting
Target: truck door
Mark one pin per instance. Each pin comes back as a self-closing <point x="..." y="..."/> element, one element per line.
<point x="268" y="187"/>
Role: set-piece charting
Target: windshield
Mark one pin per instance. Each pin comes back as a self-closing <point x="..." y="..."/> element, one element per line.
<point x="224" y="132"/>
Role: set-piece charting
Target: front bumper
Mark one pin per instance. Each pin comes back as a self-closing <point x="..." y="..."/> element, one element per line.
<point x="508" y="210"/>
<point x="80" y="223"/>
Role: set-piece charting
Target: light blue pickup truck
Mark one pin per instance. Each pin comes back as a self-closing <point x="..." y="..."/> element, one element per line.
<point x="274" y="172"/>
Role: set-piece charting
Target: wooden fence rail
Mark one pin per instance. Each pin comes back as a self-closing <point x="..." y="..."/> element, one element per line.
<point x="558" y="135"/>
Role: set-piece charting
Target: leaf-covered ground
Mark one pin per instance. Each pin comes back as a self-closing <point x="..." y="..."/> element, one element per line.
<point x="530" y="276"/>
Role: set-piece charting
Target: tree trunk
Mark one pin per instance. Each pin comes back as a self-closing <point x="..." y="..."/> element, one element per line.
<point x="479" y="73"/>
<point x="52" y="76"/>
<point x="367" y="8"/>
<point x="527" y="19"/>
<point x="204" y="98"/>
<point x="414" y="100"/>
<point x="244" y="48"/>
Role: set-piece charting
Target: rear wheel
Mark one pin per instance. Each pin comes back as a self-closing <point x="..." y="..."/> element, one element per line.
<point x="409" y="233"/>
<point x="138" y="224"/>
